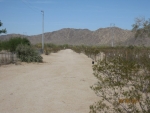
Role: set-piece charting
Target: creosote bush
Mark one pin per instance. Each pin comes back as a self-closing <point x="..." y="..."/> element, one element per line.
<point x="123" y="75"/>
<point x="51" y="48"/>
<point x="28" y="54"/>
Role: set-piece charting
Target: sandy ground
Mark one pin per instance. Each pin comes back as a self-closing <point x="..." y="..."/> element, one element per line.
<point x="60" y="85"/>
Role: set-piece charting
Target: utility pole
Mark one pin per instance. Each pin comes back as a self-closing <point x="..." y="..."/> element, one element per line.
<point x="43" y="32"/>
<point x="112" y="42"/>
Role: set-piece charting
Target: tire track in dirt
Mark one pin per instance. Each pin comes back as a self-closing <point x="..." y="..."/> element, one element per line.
<point x="60" y="85"/>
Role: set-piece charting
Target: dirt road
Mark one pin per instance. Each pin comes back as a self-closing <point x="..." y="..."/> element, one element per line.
<point x="60" y="85"/>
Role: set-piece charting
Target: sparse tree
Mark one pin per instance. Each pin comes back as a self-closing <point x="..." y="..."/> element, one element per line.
<point x="141" y="27"/>
<point x="3" y="30"/>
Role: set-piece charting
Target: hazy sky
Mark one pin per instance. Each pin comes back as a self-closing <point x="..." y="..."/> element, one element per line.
<point x="25" y="17"/>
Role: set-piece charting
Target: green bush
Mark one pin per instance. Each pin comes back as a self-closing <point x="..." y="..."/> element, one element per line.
<point x="4" y="45"/>
<point x="28" y="54"/>
<point x="12" y="43"/>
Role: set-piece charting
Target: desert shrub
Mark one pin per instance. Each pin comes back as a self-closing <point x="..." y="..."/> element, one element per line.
<point x="4" y="45"/>
<point x="12" y="43"/>
<point x="0" y="45"/>
<point x="65" y="46"/>
<point x="51" y="48"/>
<point x="50" y="45"/>
<point x="47" y="51"/>
<point x="56" y="49"/>
<point x="77" y="50"/>
<point x="38" y="45"/>
<point x="123" y="83"/>
<point x="27" y="54"/>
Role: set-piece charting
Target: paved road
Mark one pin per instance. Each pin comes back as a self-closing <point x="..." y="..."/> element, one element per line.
<point x="60" y="85"/>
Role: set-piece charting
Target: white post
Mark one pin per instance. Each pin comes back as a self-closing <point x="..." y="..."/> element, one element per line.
<point x="43" y="33"/>
<point x="112" y="43"/>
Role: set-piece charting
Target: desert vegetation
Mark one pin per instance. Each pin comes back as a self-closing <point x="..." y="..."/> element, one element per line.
<point x="11" y="44"/>
<point x="22" y="48"/>
<point x="123" y="74"/>
<point x="28" y="54"/>
<point x="123" y="78"/>
<point x="2" y="30"/>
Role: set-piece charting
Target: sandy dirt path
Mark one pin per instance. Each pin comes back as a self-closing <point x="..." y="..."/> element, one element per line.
<point x="60" y="85"/>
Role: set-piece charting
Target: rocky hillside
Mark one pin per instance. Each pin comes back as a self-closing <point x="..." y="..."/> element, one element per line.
<point x="102" y="36"/>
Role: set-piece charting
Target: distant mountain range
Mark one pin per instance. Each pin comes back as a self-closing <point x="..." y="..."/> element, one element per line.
<point x="102" y="37"/>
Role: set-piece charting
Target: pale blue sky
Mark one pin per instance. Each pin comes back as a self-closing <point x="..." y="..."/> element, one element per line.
<point x="25" y="17"/>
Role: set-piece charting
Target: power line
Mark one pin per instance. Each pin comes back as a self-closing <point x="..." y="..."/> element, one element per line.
<point x="31" y="7"/>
